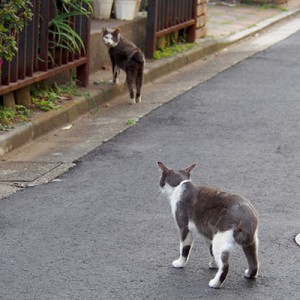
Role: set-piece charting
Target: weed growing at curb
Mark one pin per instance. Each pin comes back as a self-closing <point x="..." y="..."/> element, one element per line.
<point x="52" y="98"/>
<point x="264" y="6"/>
<point x="172" y="50"/>
<point x="131" y="122"/>
<point x="44" y="99"/>
<point x="49" y="98"/>
<point x="10" y="116"/>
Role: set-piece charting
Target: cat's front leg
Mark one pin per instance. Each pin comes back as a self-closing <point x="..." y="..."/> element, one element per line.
<point x="186" y="243"/>
<point x="116" y="72"/>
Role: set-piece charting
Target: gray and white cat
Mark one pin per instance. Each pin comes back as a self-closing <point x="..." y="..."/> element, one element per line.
<point x="223" y="219"/>
<point x="128" y="57"/>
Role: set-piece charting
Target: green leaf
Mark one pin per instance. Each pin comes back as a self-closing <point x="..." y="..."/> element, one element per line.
<point x="131" y="122"/>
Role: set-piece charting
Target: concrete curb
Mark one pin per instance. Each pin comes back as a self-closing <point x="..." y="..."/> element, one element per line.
<point x="45" y="122"/>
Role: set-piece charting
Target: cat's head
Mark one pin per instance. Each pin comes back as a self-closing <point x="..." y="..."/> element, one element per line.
<point x="173" y="178"/>
<point x="111" y="38"/>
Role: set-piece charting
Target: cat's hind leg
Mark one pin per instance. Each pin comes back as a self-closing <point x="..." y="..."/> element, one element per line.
<point x="252" y="258"/>
<point x="186" y="243"/>
<point x="138" y="85"/>
<point x="116" y="72"/>
<point x="212" y="263"/>
<point x="129" y="82"/>
<point x="222" y="244"/>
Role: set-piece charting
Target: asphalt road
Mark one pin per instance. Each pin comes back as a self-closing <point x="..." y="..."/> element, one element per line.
<point x="104" y="231"/>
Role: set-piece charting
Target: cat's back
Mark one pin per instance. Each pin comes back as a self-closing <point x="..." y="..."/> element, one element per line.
<point x="215" y="197"/>
<point x="126" y="47"/>
<point x="214" y="211"/>
<point x="211" y="201"/>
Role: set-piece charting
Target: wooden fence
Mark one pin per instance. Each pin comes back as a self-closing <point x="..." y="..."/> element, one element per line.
<point x="36" y="60"/>
<point x="167" y="16"/>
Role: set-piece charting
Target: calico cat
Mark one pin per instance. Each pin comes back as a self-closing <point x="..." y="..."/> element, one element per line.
<point x="223" y="219"/>
<point x="128" y="57"/>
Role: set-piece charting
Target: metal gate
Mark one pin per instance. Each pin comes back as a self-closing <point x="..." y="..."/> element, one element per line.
<point x="167" y="16"/>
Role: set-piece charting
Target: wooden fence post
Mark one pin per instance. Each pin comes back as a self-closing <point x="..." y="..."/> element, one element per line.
<point x="151" y="27"/>
<point x="83" y="70"/>
<point x="191" y="31"/>
<point x="44" y="35"/>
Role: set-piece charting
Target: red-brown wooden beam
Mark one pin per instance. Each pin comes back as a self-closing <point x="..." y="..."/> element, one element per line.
<point x="39" y="76"/>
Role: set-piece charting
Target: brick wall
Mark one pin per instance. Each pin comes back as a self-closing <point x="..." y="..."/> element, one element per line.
<point x="201" y="18"/>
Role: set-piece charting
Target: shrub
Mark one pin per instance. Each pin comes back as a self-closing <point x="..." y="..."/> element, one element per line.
<point x="13" y="16"/>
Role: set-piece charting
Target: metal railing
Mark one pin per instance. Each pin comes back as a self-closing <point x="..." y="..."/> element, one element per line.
<point x="167" y="16"/>
<point x="34" y="61"/>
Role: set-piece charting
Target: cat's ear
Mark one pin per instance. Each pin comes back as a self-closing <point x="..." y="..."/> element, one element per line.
<point x="190" y="168"/>
<point x="163" y="167"/>
<point x="117" y="31"/>
<point x="104" y="29"/>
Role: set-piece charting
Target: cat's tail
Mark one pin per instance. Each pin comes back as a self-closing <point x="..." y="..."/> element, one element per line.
<point x="243" y="238"/>
<point x="244" y="233"/>
<point x="138" y="57"/>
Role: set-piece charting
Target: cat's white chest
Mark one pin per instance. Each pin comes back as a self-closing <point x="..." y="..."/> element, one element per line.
<point x="174" y="194"/>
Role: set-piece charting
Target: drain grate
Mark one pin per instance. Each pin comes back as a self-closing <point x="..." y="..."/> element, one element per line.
<point x="19" y="171"/>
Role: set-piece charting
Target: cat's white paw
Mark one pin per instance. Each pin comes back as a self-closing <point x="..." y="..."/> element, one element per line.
<point x="179" y="263"/>
<point x="212" y="265"/>
<point x="248" y="275"/>
<point x="138" y="99"/>
<point x="131" y="101"/>
<point x="215" y="283"/>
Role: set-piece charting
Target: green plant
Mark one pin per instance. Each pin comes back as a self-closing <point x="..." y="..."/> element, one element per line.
<point x="71" y="89"/>
<point x="131" y="122"/>
<point x="46" y="98"/>
<point x="23" y="112"/>
<point x="68" y="89"/>
<point x="144" y="7"/>
<point x="44" y="103"/>
<point x="10" y="116"/>
<point x="269" y="5"/>
<point x="49" y="98"/>
<point x="14" y="15"/>
<point x="7" y="114"/>
<point x="172" y="50"/>
<point x="63" y="35"/>
<point x="264" y="4"/>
